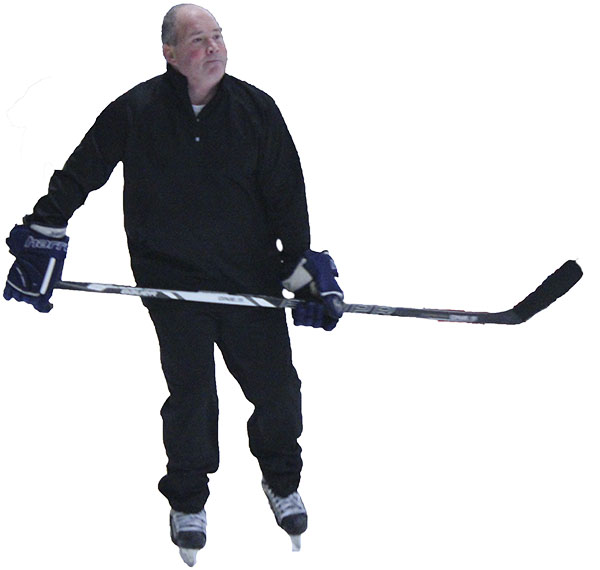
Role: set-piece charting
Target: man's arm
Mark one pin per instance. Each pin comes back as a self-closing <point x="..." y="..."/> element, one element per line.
<point x="309" y="274"/>
<point x="40" y="243"/>
<point x="281" y="182"/>
<point x="87" y="169"/>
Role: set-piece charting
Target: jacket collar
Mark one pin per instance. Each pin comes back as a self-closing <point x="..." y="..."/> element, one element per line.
<point x="177" y="79"/>
<point x="179" y="83"/>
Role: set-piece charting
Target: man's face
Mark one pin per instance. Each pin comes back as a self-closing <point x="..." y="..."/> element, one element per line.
<point x="200" y="53"/>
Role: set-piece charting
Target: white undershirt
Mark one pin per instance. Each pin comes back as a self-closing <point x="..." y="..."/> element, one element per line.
<point x="197" y="109"/>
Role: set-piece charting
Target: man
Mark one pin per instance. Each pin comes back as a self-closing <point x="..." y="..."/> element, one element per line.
<point x="213" y="199"/>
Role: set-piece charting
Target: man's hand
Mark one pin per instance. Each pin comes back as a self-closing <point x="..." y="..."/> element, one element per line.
<point x="40" y="256"/>
<point x="313" y="280"/>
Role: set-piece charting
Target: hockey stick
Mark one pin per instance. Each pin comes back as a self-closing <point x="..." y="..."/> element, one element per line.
<point x="551" y="289"/>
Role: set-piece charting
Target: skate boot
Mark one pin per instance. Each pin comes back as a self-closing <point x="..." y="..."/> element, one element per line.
<point x="188" y="531"/>
<point x="289" y="512"/>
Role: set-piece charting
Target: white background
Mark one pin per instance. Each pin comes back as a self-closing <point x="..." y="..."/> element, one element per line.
<point x="450" y="150"/>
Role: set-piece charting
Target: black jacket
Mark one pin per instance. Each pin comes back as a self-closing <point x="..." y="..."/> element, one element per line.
<point x="205" y="198"/>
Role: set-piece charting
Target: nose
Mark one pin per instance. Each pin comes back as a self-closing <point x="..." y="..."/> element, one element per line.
<point x="213" y="46"/>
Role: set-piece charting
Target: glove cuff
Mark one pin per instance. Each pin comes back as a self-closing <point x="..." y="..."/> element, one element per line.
<point x="46" y="231"/>
<point x="299" y="278"/>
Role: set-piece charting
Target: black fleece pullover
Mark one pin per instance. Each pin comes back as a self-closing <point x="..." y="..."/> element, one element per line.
<point x="205" y="197"/>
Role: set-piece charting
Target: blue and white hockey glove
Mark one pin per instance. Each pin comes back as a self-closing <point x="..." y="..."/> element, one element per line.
<point x="40" y="255"/>
<point x="313" y="280"/>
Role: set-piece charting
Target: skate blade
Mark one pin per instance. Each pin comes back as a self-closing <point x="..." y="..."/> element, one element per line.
<point x="188" y="555"/>
<point x="296" y="542"/>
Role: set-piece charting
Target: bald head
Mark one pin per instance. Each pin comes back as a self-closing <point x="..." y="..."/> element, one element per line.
<point x="193" y="44"/>
<point x="169" y="26"/>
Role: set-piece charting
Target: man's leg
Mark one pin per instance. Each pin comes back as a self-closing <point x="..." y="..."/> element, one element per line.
<point x="256" y="349"/>
<point x="190" y="414"/>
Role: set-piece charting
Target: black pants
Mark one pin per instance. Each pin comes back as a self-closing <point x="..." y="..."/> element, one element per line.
<point x="256" y="349"/>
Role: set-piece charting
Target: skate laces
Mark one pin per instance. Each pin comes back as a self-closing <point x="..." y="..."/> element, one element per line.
<point x="189" y="522"/>
<point x="285" y="506"/>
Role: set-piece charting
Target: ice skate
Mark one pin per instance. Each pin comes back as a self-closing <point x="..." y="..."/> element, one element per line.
<point x="188" y="531"/>
<point x="290" y="514"/>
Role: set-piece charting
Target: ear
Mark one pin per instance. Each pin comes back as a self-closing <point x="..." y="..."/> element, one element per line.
<point x="169" y="53"/>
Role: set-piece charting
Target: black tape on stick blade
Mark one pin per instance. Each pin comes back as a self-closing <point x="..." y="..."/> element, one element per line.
<point x="553" y="287"/>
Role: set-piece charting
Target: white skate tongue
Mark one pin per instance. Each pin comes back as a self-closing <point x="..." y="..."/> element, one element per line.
<point x="188" y="555"/>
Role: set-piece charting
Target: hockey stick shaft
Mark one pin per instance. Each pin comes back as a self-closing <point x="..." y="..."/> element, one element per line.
<point x="551" y="289"/>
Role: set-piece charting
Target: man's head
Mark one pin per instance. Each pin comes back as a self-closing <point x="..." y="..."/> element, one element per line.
<point x="193" y="43"/>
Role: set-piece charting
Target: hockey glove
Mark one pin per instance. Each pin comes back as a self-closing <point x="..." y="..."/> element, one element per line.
<point x="313" y="280"/>
<point x="40" y="256"/>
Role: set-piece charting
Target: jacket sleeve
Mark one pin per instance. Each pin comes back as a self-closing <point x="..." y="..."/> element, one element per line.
<point x="281" y="183"/>
<point x="87" y="169"/>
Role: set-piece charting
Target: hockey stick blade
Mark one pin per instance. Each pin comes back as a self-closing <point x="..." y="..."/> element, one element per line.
<point x="551" y="289"/>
